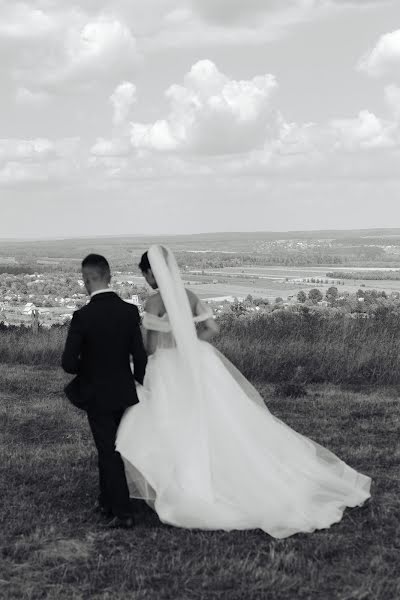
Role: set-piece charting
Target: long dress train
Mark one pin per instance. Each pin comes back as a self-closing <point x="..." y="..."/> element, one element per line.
<point x="206" y="452"/>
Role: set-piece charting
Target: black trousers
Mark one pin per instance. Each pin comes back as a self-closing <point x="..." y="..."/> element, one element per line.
<point x="114" y="493"/>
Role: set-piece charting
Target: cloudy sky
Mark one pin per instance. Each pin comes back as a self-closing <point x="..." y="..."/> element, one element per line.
<point x="180" y="116"/>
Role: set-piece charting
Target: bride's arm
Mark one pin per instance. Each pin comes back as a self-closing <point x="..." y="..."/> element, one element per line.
<point x="150" y="337"/>
<point x="207" y="328"/>
<point x="150" y="341"/>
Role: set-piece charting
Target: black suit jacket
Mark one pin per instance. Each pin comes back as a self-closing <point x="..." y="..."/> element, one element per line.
<point x="102" y="337"/>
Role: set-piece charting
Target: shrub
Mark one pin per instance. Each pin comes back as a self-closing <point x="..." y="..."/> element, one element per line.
<point x="315" y="295"/>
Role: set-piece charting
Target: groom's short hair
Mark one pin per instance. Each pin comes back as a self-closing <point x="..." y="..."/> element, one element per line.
<point x="99" y="264"/>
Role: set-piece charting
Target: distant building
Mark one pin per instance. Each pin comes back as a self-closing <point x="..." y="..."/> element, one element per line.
<point x="230" y="299"/>
<point x="29" y="308"/>
<point x="134" y="300"/>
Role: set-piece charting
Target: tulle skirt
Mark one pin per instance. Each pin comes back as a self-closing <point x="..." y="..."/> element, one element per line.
<point x="224" y="461"/>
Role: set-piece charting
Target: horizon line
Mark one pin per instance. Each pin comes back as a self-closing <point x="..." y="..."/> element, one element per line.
<point x="192" y="234"/>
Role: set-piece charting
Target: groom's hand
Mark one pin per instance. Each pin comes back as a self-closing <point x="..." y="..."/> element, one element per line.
<point x="137" y="350"/>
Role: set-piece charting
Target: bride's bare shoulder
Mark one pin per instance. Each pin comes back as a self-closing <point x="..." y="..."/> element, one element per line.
<point x="154" y="305"/>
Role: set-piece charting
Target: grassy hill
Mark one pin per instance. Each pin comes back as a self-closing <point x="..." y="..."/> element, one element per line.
<point x="326" y="345"/>
<point x="53" y="546"/>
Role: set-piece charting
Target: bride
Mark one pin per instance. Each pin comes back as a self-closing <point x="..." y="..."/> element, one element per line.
<point x="202" y="448"/>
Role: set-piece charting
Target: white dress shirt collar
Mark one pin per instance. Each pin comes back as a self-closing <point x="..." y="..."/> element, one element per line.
<point x="103" y="291"/>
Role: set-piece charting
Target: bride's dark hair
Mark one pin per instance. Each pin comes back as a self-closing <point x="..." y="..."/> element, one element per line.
<point x="144" y="264"/>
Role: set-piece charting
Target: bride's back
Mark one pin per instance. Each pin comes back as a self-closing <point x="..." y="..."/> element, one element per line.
<point x="157" y="325"/>
<point x="156" y="306"/>
<point x="156" y="322"/>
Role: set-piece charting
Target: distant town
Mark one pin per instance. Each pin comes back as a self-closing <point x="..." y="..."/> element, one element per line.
<point x="40" y="282"/>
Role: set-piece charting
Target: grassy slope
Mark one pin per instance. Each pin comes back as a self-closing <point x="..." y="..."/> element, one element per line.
<point x="327" y="346"/>
<point x="53" y="547"/>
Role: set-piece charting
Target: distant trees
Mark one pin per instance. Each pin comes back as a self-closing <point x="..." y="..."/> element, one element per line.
<point x="16" y="269"/>
<point x="382" y="275"/>
<point x="315" y="295"/>
<point x="260" y="302"/>
<point x="238" y="308"/>
<point x="301" y="297"/>
<point x="332" y="294"/>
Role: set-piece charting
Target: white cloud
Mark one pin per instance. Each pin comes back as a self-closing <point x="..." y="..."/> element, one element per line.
<point x="111" y="148"/>
<point x="188" y="27"/>
<point x="108" y="167"/>
<point x="27" y="97"/>
<point x="392" y="98"/>
<point x="365" y="147"/>
<point x="57" y="46"/>
<point x="145" y="166"/>
<point x="233" y="12"/>
<point x="211" y="114"/>
<point x="384" y="58"/>
<point x="21" y="21"/>
<point x="38" y="160"/>
<point x="14" y="173"/>
<point x="84" y="52"/>
<point x="299" y="142"/>
<point x="16" y="149"/>
<point x="122" y="99"/>
<point x="213" y="124"/>
<point x="365" y="131"/>
<point x="154" y="136"/>
<point x="99" y="46"/>
<point x="232" y="22"/>
<point x="340" y="147"/>
<point x="220" y="126"/>
<point x="230" y="12"/>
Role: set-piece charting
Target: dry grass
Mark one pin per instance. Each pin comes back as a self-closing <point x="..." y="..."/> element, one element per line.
<point x="326" y="345"/>
<point x="53" y="547"/>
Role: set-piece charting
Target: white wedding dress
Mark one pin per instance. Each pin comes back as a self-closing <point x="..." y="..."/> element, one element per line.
<point x="204" y="451"/>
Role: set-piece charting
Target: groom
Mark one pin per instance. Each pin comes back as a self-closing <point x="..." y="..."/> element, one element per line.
<point x="102" y="338"/>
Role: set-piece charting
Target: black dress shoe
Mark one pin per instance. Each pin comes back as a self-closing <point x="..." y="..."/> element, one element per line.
<point x="102" y="510"/>
<point x="121" y="523"/>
